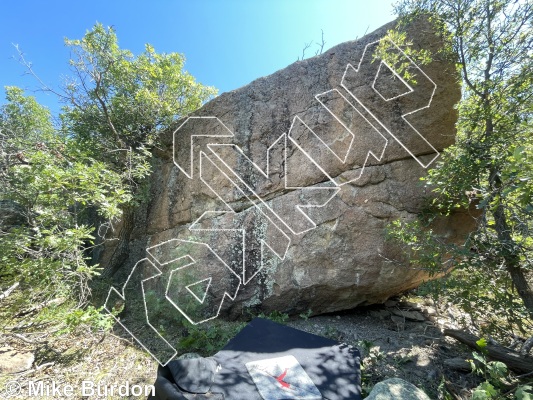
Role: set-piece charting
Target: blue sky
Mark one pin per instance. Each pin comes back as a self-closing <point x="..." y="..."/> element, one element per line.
<point x="227" y="43"/>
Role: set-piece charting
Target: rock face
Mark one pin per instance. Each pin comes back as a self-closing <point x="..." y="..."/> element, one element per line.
<point x="276" y="196"/>
<point x="395" y="388"/>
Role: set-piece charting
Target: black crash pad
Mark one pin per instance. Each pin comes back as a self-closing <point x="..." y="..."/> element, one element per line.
<point x="333" y="368"/>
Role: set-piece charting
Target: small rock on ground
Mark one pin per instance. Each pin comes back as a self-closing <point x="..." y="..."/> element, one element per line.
<point x="12" y="361"/>
<point x="394" y="389"/>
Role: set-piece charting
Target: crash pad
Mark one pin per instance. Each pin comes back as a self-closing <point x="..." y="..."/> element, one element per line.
<point x="267" y="361"/>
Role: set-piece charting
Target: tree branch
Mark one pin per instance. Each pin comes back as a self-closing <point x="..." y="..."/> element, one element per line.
<point x="513" y="360"/>
<point x="28" y="66"/>
<point x="321" y="44"/>
<point x="465" y="71"/>
<point x="8" y="292"/>
<point x="104" y="108"/>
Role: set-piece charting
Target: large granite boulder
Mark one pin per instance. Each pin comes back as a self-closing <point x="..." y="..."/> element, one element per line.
<point x="276" y="196"/>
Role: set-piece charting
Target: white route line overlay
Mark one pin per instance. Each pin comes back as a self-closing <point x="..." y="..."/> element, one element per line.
<point x="403" y="115"/>
<point x="299" y="207"/>
<point x="243" y="232"/>
<point x="254" y="204"/>
<point x="200" y="300"/>
<point x="252" y="201"/>
<point x="190" y="175"/>
<point x="411" y="90"/>
<point x="370" y="152"/>
<point x="193" y="261"/>
<point x="123" y="297"/>
<point x="159" y="273"/>
<point x="220" y="213"/>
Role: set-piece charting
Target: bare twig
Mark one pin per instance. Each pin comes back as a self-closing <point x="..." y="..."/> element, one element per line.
<point x="451" y="390"/>
<point x="26" y="340"/>
<point x="45" y="365"/>
<point x="321" y="44"/>
<point x="58" y="301"/>
<point x="10" y="290"/>
<point x="44" y="86"/>
<point x="306" y="46"/>
<point x="524" y="375"/>
<point x="130" y="342"/>
<point x="36" y="369"/>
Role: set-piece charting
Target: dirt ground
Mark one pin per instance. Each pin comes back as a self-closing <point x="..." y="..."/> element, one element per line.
<point x="400" y="339"/>
<point x="395" y="346"/>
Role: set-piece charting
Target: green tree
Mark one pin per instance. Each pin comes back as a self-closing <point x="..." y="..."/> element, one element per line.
<point x="58" y="183"/>
<point x="46" y="183"/>
<point x="491" y="163"/>
<point x="116" y="106"/>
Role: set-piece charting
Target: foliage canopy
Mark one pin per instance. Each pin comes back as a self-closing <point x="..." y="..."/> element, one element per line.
<point x="490" y="166"/>
<point x="60" y="183"/>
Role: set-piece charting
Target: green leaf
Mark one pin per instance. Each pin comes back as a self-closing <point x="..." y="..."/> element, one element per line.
<point x="497" y="369"/>
<point x="481" y="343"/>
<point x="524" y="392"/>
<point x="480" y="394"/>
<point x="517" y="154"/>
<point x="489" y="389"/>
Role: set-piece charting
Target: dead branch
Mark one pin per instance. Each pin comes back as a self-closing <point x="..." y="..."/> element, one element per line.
<point x="521" y="364"/>
<point x="450" y="388"/>
<point x="29" y="67"/>
<point x="54" y="302"/>
<point x="306" y="46"/>
<point x="527" y="346"/>
<point x="321" y="44"/>
<point x="26" y="340"/>
<point x="10" y="290"/>
<point x="458" y="364"/>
